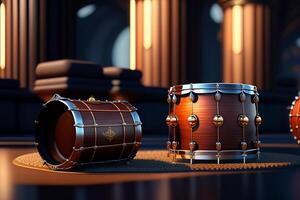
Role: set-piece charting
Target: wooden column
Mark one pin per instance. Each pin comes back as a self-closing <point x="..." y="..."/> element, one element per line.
<point x="22" y="37"/>
<point x="246" y="42"/>
<point x="33" y="35"/>
<point x="160" y="41"/>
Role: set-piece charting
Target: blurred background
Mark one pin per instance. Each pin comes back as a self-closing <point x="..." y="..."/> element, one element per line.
<point x="169" y="42"/>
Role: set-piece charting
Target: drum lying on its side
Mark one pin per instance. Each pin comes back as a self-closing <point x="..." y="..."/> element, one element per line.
<point x="295" y="119"/>
<point x="75" y="132"/>
<point x="213" y="121"/>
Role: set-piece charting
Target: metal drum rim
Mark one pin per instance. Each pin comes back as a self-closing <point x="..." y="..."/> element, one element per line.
<point x="212" y="154"/>
<point x="213" y="87"/>
<point x="69" y="162"/>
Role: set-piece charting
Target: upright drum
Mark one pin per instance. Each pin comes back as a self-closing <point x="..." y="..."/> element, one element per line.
<point x="213" y="121"/>
<point x="74" y="132"/>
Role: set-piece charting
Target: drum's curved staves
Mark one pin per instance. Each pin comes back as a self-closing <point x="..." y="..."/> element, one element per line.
<point x="75" y="132"/>
<point x="294" y="118"/>
<point x="214" y="121"/>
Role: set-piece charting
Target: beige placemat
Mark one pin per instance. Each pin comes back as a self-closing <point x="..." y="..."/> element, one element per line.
<point x="157" y="161"/>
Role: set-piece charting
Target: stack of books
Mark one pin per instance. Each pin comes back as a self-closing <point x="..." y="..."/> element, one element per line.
<point x="82" y="79"/>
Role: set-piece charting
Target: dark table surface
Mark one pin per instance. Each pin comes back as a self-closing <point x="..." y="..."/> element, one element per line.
<point x="21" y="183"/>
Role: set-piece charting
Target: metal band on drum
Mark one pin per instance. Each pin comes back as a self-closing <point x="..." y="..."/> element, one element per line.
<point x="206" y="88"/>
<point x="78" y="147"/>
<point x="211" y="154"/>
<point x="75" y="155"/>
<point x="296" y="129"/>
<point x="212" y="88"/>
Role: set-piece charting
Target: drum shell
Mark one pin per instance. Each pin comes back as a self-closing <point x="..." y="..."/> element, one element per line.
<point x="105" y="131"/>
<point x="210" y="121"/>
<point x="295" y="119"/>
<point x="205" y="134"/>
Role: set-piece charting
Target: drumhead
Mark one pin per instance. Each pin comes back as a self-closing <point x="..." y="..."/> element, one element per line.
<point x="56" y="133"/>
<point x="199" y="88"/>
<point x="65" y="134"/>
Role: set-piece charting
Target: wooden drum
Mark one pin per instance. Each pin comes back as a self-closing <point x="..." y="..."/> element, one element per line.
<point x="295" y="119"/>
<point x="75" y="132"/>
<point x="210" y="121"/>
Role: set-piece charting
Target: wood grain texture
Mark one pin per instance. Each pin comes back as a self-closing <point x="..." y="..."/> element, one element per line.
<point x="294" y="120"/>
<point x="67" y="136"/>
<point x="205" y="135"/>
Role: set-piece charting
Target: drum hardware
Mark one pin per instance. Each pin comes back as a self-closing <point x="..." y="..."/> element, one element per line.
<point x="84" y="150"/>
<point x="91" y="99"/>
<point x="294" y="119"/>
<point x="218" y="121"/>
<point x="196" y="152"/>
<point x="258" y="122"/>
<point x="168" y="122"/>
<point x="193" y="122"/>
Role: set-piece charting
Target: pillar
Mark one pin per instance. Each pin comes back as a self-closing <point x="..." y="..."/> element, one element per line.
<point x="246" y="42"/>
<point x="36" y="31"/>
<point x="158" y="40"/>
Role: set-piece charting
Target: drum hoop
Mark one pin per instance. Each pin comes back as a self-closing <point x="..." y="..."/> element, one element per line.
<point x="70" y="161"/>
<point x="294" y="116"/>
<point x="212" y="154"/>
<point x="201" y="88"/>
<point x="137" y="134"/>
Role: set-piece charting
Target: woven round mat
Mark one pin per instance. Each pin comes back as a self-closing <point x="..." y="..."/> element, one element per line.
<point x="157" y="161"/>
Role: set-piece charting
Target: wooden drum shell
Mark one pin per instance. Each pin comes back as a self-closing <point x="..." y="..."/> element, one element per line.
<point x="105" y="131"/>
<point x="294" y="118"/>
<point x="194" y="131"/>
<point x="205" y="134"/>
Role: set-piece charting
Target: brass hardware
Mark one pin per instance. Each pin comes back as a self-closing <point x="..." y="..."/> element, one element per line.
<point x="242" y="97"/>
<point x="56" y="97"/>
<point x="243" y="145"/>
<point x="192" y="145"/>
<point x="107" y="146"/>
<point x="218" y="146"/>
<point x="91" y="99"/>
<point x="109" y="134"/>
<point x="169" y="99"/>
<point x="193" y="98"/>
<point x="218" y="96"/>
<point x="257" y="144"/>
<point x="193" y="120"/>
<point x="255" y="98"/>
<point x="174" y="145"/>
<point x="137" y="144"/>
<point x="174" y="121"/>
<point x="243" y="120"/>
<point x="258" y="120"/>
<point x="218" y="120"/>
<point x="168" y="120"/>
<point x="168" y="145"/>
<point x="174" y="99"/>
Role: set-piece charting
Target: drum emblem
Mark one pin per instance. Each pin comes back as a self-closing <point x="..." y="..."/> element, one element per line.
<point x="109" y="134"/>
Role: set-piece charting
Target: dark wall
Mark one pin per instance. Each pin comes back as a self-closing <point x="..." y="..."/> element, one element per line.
<point x="203" y="45"/>
<point x="96" y="34"/>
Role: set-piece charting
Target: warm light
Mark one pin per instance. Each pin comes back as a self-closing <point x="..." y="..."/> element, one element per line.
<point x="147" y="24"/>
<point x="2" y="36"/>
<point x="237" y="29"/>
<point x="5" y="176"/>
<point x="132" y="34"/>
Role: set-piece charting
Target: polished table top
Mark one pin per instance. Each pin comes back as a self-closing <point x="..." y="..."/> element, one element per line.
<point x="22" y="183"/>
